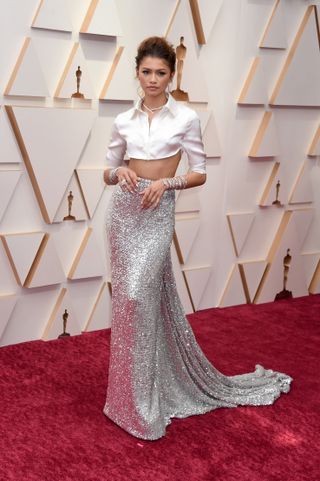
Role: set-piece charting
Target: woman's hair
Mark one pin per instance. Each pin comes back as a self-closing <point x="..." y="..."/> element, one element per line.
<point x="157" y="47"/>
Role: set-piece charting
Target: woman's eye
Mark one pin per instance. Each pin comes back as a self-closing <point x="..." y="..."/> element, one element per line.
<point x="145" y="71"/>
<point x="162" y="74"/>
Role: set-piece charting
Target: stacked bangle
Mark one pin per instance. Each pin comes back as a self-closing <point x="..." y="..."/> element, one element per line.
<point x="113" y="177"/>
<point x="178" y="183"/>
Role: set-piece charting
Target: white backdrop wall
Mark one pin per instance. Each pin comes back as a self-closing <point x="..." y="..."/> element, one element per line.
<point x="255" y="83"/>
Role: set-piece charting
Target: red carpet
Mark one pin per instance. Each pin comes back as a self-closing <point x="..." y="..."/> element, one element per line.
<point x="52" y="395"/>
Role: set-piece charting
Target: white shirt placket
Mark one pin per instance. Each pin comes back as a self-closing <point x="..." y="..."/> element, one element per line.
<point x="146" y="132"/>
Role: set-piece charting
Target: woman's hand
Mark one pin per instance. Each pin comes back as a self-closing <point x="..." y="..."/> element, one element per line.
<point x="152" y="194"/>
<point x="127" y="179"/>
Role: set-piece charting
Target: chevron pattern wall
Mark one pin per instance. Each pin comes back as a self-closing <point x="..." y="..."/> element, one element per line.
<point x="252" y="72"/>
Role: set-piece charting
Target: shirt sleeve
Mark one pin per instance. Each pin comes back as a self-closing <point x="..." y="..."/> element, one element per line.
<point x="117" y="147"/>
<point x="193" y="146"/>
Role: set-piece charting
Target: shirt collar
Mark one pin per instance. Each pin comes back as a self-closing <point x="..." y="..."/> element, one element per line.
<point x="171" y="106"/>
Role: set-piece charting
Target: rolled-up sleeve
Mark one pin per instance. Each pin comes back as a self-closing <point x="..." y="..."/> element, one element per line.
<point x="192" y="144"/>
<point x="117" y="147"/>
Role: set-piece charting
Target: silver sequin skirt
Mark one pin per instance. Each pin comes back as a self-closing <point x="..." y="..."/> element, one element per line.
<point x="157" y="370"/>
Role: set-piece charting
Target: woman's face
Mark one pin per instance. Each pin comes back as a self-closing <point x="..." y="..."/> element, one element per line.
<point x="154" y="75"/>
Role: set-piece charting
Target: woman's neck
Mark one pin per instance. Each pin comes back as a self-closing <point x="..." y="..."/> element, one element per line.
<point x="155" y="102"/>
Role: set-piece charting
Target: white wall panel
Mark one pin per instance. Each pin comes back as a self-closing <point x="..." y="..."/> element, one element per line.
<point x="302" y="189"/>
<point x="254" y="91"/>
<point x="22" y="249"/>
<point x="27" y="78"/>
<point x="49" y="270"/>
<point x="9" y="150"/>
<point x="88" y="259"/>
<point x="68" y="82"/>
<point x="53" y="49"/>
<point x="7" y="304"/>
<point x="187" y="229"/>
<point x="53" y="15"/>
<point x="233" y="292"/>
<point x="8" y="282"/>
<point x="181" y="284"/>
<point x="266" y="142"/>
<point x="300" y="78"/>
<point x="92" y="187"/>
<point x="8" y="183"/>
<point x="210" y="134"/>
<point x="100" y="316"/>
<point x="84" y="294"/>
<point x="253" y="272"/>
<point x="240" y="225"/>
<point x="119" y="85"/>
<point x="30" y="316"/>
<point x="274" y="36"/>
<point x="102" y="19"/>
<point x="188" y="201"/>
<point x="64" y="133"/>
<point x="78" y="11"/>
<point x="197" y="279"/>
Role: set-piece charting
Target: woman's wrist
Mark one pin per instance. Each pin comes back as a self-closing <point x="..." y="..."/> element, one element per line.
<point x="113" y="176"/>
<point x="179" y="182"/>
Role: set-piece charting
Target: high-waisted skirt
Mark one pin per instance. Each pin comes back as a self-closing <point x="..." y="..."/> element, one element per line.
<point x="157" y="370"/>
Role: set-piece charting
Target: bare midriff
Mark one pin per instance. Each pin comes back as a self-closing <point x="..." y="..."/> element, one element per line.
<point x="155" y="169"/>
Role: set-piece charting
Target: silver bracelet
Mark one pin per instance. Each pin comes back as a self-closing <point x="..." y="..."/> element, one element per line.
<point x="178" y="183"/>
<point x="113" y="177"/>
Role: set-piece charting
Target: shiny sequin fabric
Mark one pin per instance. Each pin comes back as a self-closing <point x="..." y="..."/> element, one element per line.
<point x="157" y="370"/>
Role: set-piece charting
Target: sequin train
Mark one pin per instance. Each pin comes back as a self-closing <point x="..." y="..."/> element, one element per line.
<point x="157" y="370"/>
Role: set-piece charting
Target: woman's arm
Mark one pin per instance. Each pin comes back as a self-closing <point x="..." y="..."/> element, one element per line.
<point x="110" y="177"/>
<point x="116" y="150"/>
<point x="114" y="175"/>
<point x="192" y="144"/>
<point x="191" y="179"/>
<point x="151" y="195"/>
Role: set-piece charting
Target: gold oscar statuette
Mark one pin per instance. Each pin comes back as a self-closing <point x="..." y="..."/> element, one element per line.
<point x="181" y="52"/>
<point x="65" y="319"/>
<point x="70" y="200"/>
<point x="285" y="294"/>
<point x="277" y="201"/>
<point x="77" y="94"/>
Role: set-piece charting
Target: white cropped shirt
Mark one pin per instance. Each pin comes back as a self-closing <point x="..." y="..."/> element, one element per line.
<point x="176" y="126"/>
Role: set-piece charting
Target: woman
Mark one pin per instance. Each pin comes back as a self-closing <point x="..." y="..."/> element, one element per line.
<point x="157" y="370"/>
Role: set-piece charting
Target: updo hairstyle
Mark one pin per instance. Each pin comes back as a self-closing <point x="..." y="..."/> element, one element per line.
<point x="157" y="47"/>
